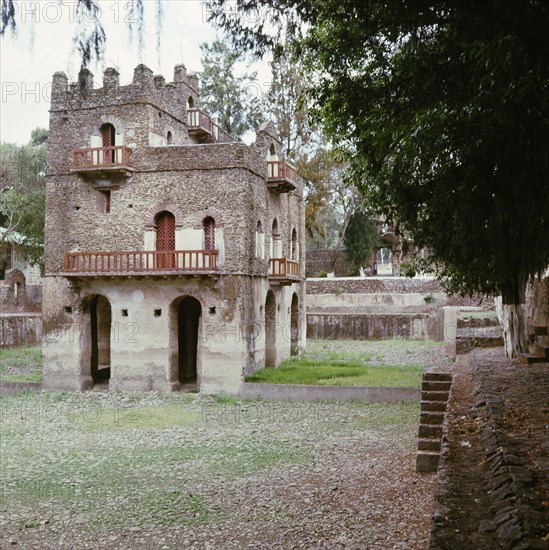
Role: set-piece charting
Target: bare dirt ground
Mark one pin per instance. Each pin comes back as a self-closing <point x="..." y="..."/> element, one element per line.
<point x="161" y="472"/>
<point x="155" y="471"/>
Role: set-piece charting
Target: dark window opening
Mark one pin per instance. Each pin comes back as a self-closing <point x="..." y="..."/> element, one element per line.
<point x="124" y="313"/>
<point x="157" y="312"/>
<point x="68" y="309"/>
<point x="169" y="138"/>
<point x="212" y="310"/>
<point x="106" y="202"/>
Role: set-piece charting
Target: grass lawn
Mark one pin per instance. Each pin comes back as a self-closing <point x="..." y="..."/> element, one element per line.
<point x="22" y="364"/>
<point x="358" y="363"/>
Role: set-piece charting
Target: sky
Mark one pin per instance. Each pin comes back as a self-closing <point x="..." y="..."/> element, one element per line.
<point x="44" y="45"/>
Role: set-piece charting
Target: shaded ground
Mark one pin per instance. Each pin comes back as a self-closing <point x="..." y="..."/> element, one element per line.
<point x="493" y="488"/>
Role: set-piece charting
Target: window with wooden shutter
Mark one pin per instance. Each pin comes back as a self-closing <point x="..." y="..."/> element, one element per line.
<point x="209" y="234"/>
<point x="108" y="138"/>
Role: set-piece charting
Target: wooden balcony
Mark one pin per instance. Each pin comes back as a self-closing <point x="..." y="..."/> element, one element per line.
<point x="205" y="129"/>
<point x="283" y="271"/>
<point x="281" y="176"/>
<point x="141" y="263"/>
<point x="103" y="160"/>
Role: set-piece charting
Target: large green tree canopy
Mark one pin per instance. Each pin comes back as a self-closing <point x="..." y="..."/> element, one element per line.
<point x="442" y="110"/>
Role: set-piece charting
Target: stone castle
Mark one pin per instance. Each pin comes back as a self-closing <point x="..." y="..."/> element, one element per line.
<point x="174" y="253"/>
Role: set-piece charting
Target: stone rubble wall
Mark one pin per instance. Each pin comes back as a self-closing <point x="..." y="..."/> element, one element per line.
<point x="23" y="329"/>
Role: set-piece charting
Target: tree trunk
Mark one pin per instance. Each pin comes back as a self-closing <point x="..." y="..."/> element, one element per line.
<point x="510" y="311"/>
<point x="340" y="239"/>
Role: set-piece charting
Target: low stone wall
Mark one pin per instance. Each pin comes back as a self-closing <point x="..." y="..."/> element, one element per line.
<point x="373" y="285"/>
<point x="353" y="326"/>
<point x="20" y="329"/>
<point x="298" y="392"/>
<point x="327" y="261"/>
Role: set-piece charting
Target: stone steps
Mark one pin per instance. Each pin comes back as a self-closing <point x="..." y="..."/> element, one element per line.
<point x="435" y="389"/>
<point x="540" y="350"/>
<point x="537" y="330"/>
<point x="530" y="358"/>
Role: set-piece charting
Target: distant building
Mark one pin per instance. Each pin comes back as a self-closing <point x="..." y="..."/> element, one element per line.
<point x="12" y="256"/>
<point x="174" y="254"/>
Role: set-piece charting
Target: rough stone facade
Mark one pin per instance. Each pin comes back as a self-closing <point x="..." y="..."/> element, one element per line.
<point x="177" y="318"/>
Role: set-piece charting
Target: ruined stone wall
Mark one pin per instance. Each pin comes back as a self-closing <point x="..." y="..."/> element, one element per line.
<point x="322" y="261"/>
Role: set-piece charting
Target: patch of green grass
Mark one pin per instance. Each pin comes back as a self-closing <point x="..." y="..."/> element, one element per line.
<point x="390" y="414"/>
<point x="34" y="377"/>
<point x="339" y="373"/>
<point x="27" y="358"/>
<point x="125" y="418"/>
<point x="477" y="314"/>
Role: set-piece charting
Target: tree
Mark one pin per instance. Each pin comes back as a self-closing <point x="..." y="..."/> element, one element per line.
<point x="22" y="192"/>
<point x="225" y="95"/>
<point x="361" y="238"/>
<point x="441" y="109"/>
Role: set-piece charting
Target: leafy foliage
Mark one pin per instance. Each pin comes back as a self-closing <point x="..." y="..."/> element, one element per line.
<point x="361" y="238"/>
<point x="22" y="191"/>
<point x="441" y="109"/>
<point x="225" y="95"/>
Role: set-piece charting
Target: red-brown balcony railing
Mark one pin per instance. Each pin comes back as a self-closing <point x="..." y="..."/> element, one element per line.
<point x="201" y="123"/>
<point x="102" y="157"/>
<point x="283" y="268"/>
<point x="281" y="176"/>
<point x="140" y="261"/>
<point x="281" y="170"/>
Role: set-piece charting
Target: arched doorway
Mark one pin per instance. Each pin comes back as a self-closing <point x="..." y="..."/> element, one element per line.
<point x="165" y="239"/>
<point x="294" y="332"/>
<point x="384" y="262"/>
<point x="270" y="330"/>
<point x="108" y="137"/>
<point x="189" y="312"/>
<point x="100" y="324"/>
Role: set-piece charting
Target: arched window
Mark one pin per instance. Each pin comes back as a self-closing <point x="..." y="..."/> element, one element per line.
<point x="169" y="138"/>
<point x="209" y="233"/>
<point x="108" y="137"/>
<point x="190" y="102"/>
<point x="293" y="245"/>
<point x="259" y="241"/>
<point x="165" y="239"/>
<point x="276" y="249"/>
<point x="272" y="153"/>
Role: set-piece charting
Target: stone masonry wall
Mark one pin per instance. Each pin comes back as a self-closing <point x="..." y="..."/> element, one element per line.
<point x="391" y="285"/>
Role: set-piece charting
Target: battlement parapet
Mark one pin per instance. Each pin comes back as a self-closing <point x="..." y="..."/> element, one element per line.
<point x="172" y="97"/>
